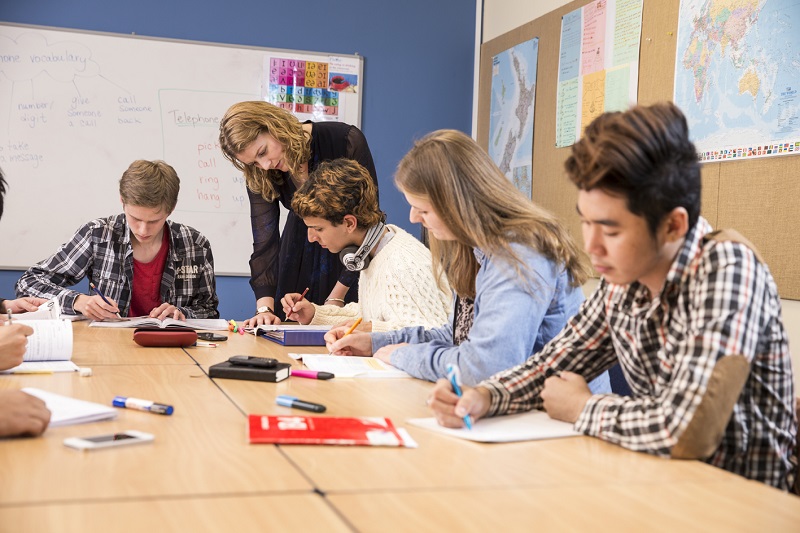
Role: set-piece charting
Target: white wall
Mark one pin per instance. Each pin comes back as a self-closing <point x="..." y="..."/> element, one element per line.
<point x="501" y="16"/>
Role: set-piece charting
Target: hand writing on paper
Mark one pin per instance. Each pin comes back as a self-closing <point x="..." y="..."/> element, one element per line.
<point x="166" y="310"/>
<point x="13" y="343"/>
<point x="22" y="414"/>
<point x="385" y="353"/>
<point x="450" y="410"/>
<point x="297" y="308"/>
<point x="95" y="307"/>
<point x="565" y="396"/>
<point x="339" y="343"/>
<point x="22" y="305"/>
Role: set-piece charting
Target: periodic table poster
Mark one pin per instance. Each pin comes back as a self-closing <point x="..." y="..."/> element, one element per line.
<point x="315" y="87"/>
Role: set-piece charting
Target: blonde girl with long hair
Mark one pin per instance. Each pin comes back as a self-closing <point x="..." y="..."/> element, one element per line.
<point x="515" y="271"/>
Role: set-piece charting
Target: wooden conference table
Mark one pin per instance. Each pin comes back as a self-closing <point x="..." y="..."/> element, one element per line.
<point x="200" y="474"/>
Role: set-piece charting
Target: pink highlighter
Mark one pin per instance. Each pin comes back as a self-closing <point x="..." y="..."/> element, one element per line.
<point x="311" y="374"/>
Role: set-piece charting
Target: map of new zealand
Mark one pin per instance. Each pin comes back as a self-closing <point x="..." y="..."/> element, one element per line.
<point x="511" y="112"/>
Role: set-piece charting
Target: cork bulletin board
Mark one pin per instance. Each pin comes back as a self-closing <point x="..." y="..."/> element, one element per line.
<point x="756" y="197"/>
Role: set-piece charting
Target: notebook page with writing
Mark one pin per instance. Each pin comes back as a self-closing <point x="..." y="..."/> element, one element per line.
<point x="51" y="340"/>
<point x="533" y="425"/>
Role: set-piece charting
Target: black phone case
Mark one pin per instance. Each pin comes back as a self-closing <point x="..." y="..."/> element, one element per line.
<point x="229" y="371"/>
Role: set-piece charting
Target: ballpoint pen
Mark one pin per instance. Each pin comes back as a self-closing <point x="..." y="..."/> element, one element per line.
<point x="8" y="323"/>
<point x="101" y="295"/>
<point x="291" y="401"/>
<point x="454" y="377"/>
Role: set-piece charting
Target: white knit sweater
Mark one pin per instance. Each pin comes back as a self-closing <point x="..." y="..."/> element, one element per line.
<point x="396" y="290"/>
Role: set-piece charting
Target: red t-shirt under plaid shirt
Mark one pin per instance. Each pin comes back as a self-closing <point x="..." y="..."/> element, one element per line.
<point x="146" y="284"/>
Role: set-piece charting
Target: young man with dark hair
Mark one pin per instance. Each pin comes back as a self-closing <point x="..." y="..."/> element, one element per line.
<point x="140" y="262"/>
<point x="674" y="306"/>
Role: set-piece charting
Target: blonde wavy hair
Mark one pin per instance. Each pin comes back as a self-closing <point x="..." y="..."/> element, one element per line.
<point x="482" y="209"/>
<point x="245" y="121"/>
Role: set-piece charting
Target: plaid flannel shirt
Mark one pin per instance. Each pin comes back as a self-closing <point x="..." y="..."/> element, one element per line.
<point x="101" y="250"/>
<point x="717" y="300"/>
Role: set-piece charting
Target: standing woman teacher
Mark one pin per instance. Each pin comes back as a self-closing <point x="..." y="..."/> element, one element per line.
<point x="276" y="152"/>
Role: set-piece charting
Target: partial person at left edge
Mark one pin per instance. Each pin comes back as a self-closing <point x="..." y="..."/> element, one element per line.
<point x="21" y="415"/>
<point x="140" y="262"/>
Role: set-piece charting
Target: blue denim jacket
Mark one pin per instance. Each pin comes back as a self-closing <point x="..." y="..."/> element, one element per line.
<point x="515" y="316"/>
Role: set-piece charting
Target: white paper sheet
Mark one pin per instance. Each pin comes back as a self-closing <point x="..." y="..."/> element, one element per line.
<point x="347" y="366"/>
<point x="533" y="425"/>
<point x="65" y="411"/>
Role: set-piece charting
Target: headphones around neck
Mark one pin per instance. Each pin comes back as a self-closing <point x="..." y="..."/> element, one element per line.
<point x="356" y="258"/>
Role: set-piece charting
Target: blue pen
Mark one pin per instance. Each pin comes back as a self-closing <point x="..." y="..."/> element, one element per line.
<point x="101" y="295"/>
<point x="454" y="377"/>
<point x="292" y="401"/>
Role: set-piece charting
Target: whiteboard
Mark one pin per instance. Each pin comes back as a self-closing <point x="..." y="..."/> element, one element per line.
<point x="76" y="108"/>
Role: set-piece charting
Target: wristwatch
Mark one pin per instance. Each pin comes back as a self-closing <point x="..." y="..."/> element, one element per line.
<point x="265" y="309"/>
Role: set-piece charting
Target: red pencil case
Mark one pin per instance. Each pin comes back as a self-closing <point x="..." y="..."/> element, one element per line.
<point x="179" y="337"/>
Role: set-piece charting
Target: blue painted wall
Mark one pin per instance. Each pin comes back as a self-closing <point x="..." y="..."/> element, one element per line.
<point x="418" y="68"/>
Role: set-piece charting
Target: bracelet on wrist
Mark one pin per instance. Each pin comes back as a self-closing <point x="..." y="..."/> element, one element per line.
<point x="334" y="300"/>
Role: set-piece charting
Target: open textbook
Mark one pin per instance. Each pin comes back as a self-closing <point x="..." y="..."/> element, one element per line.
<point x="532" y="425"/>
<point x="210" y="324"/>
<point x="350" y="366"/>
<point x="49" y="348"/>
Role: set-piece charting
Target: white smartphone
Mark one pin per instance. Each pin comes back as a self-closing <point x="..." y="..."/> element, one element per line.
<point x="105" y="441"/>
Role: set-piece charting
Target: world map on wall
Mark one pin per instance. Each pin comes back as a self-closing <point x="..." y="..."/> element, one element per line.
<point x="737" y="76"/>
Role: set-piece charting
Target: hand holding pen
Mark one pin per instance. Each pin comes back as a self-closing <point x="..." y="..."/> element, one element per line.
<point x="96" y="307"/>
<point x="295" y="307"/>
<point x="342" y="341"/>
<point x="451" y="410"/>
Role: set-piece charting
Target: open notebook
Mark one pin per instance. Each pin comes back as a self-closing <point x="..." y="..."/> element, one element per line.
<point x="65" y="411"/>
<point x="49" y="348"/>
<point x="209" y="324"/>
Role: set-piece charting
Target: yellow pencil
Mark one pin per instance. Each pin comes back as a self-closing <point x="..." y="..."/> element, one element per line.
<point x="353" y="327"/>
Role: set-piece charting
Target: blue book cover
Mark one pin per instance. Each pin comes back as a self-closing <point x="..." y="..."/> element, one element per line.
<point x="296" y="337"/>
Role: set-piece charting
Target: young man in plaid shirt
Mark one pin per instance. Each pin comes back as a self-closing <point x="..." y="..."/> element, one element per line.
<point x="141" y="263"/>
<point x="671" y="304"/>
